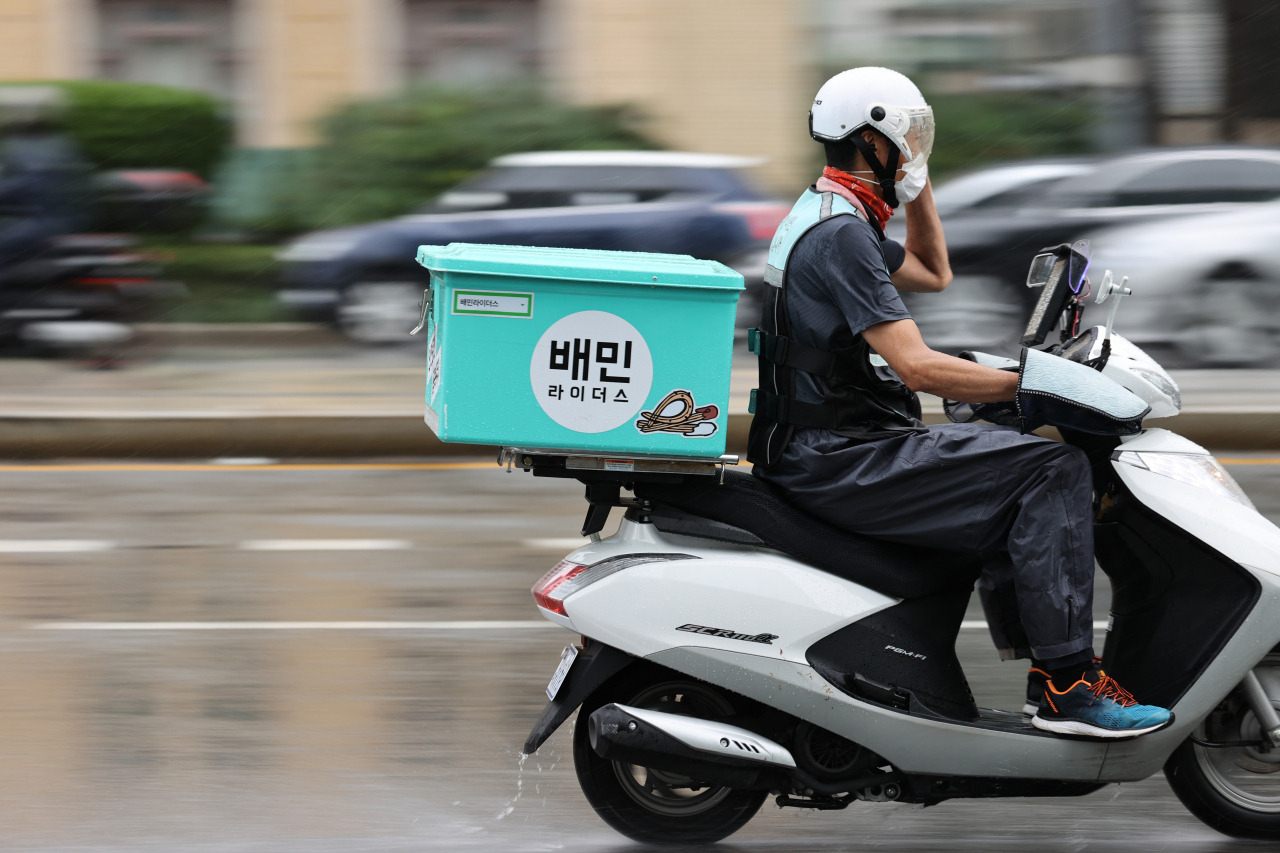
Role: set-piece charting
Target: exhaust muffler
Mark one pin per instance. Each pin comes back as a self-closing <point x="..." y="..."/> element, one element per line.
<point x="702" y="750"/>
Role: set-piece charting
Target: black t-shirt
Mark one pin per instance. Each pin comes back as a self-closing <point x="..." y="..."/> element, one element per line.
<point x="837" y="286"/>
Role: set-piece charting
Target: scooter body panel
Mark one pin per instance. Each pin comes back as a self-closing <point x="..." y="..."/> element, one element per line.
<point x="1139" y="758"/>
<point x="912" y="744"/>
<point x="1243" y="534"/>
<point x="752" y="600"/>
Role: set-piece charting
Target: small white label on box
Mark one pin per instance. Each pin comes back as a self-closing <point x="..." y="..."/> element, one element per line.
<point x="491" y="303"/>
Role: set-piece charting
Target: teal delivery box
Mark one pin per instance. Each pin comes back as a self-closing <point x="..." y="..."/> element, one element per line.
<point x="573" y="349"/>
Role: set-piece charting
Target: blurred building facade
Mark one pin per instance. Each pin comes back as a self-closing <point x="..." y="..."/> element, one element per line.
<point x="708" y="75"/>
<point x="713" y="75"/>
<point x="1162" y="72"/>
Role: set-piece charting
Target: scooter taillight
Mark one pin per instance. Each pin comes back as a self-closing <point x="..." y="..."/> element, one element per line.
<point x="566" y="578"/>
<point x="543" y="590"/>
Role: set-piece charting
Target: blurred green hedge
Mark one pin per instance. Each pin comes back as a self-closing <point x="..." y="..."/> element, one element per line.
<point x="130" y="125"/>
<point x="137" y="126"/>
<point x="990" y="127"/>
<point x="389" y="156"/>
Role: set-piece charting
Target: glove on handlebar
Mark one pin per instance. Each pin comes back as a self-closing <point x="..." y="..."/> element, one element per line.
<point x="1055" y="391"/>
<point x="1003" y="413"/>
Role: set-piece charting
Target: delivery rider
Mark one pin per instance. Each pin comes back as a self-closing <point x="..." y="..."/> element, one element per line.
<point x="837" y="423"/>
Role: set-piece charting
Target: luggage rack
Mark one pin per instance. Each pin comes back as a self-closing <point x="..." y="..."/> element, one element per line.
<point x="606" y="476"/>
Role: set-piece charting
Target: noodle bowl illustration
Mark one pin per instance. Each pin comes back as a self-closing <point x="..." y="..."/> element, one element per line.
<point x="679" y="414"/>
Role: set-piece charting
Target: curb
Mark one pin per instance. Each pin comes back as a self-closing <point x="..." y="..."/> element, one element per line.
<point x="368" y="436"/>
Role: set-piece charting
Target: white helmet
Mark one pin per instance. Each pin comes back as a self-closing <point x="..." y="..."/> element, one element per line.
<point x="887" y="101"/>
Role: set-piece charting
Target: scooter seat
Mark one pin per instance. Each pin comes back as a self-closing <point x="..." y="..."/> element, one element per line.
<point x="755" y="508"/>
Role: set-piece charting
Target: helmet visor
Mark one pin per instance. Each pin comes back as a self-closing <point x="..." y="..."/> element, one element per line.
<point x="917" y="140"/>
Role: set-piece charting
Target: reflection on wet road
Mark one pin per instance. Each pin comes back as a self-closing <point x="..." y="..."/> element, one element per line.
<point x="379" y="698"/>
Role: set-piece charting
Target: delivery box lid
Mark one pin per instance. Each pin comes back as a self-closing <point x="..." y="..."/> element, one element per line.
<point x="593" y="265"/>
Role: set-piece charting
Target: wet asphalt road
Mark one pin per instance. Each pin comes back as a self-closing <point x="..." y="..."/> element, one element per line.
<point x="360" y="710"/>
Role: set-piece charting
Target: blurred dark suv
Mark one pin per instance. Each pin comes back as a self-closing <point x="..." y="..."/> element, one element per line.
<point x="365" y="278"/>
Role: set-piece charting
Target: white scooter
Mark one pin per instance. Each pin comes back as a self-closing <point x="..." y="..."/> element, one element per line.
<point x="734" y="647"/>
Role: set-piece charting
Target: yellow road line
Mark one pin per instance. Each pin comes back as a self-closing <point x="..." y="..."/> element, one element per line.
<point x="275" y="466"/>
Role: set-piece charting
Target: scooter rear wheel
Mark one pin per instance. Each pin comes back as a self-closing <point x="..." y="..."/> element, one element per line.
<point x="1236" y="790"/>
<point x="658" y="806"/>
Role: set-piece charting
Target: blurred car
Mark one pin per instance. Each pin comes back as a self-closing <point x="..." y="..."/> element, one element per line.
<point x="151" y="200"/>
<point x="365" y="278"/>
<point x="991" y="248"/>
<point x="79" y="294"/>
<point x="1003" y="187"/>
<point x="1207" y="288"/>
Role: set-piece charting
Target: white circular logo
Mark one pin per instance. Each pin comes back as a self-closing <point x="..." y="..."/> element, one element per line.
<point x="591" y="371"/>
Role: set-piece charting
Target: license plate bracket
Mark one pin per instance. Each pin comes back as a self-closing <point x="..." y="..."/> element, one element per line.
<point x="567" y="657"/>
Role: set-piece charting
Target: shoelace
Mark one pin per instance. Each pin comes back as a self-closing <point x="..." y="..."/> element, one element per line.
<point x="1107" y="686"/>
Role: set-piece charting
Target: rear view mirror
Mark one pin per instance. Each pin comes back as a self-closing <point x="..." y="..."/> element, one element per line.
<point x="1041" y="269"/>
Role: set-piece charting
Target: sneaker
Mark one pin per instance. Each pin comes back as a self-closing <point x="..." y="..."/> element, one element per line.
<point x="1036" y="680"/>
<point x="1096" y="706"/>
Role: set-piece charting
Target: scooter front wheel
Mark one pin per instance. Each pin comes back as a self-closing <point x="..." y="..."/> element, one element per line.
<point x="1236" y="790"/>
<point x="659" y="806"/>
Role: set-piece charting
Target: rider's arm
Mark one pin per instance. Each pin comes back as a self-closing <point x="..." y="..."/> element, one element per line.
<point x="926" y="268"/>
<point x="924" y="369"/>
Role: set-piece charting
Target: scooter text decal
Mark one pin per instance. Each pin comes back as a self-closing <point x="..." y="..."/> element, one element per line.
<point x="725" y="633"/>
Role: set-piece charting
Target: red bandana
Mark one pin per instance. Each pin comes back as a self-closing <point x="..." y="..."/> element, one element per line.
<point x="872" y="203"/>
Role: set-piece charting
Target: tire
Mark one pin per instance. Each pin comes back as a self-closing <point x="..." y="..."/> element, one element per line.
<point x="651" y="806"/>
<point x="1234" y="790"/>
<point x="379" y="312"/>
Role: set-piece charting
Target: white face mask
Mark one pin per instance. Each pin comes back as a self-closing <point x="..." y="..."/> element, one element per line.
<point x="912" y="183"/>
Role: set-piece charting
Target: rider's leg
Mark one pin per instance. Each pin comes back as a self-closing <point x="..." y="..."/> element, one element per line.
<point x="967" y="487"/>
<point x="975" y="488"/>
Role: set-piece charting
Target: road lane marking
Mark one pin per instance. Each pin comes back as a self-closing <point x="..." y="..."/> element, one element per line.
<point x="974" y="624"/>
<point x="54" y="546"/>
<point x="326" y="545"/>
<point x="565" y="544"/>
<point x="295" y="626"/>
<point x="282" y="466"/>
<point x="84" y="546"/>
<point x="491" y="625"/>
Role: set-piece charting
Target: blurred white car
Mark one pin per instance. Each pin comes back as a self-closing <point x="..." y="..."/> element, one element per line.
<point x="1006" y="186"/>
<point x="1207" y="288"/>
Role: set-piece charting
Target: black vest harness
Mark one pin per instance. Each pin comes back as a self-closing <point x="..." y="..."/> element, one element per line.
<point x="857" y="401"/>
